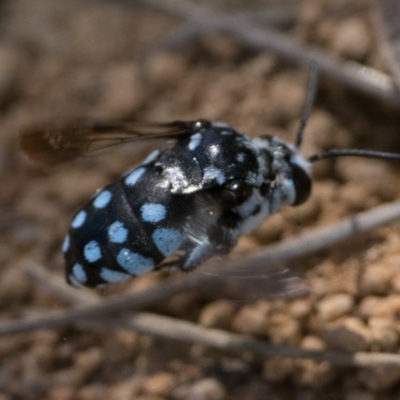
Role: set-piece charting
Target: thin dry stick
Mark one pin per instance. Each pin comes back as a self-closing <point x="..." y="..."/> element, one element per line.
<point x="235" y="343"/>
<point x="263" y="261"/>
<point x="201" y="20"/>
<point x="170" y="328"/>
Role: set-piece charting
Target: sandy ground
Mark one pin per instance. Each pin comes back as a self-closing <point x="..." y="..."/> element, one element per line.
<point x="86" y="58"/>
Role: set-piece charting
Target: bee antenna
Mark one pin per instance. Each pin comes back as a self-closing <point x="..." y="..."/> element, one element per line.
<point x="354" y="153"/>
<point x="311" y="92"/>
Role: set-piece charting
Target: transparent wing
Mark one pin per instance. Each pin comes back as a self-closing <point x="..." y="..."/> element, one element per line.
<point x="52" y="144"/>
<point x="251" y="286"/>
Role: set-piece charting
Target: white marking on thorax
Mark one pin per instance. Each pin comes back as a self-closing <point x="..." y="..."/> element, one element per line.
<point x="194" y="141"/>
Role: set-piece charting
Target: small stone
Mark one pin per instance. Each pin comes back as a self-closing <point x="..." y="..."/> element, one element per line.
<point x="160" y="384"/>
<point x="313" y="343"/>
<point x="89" y="360"/>
<point x="376" y="279"/>
<point x="283" y="329"/>
<point x="335" y="306"/>
<point x="351" y="39"/>
<point x="204" y="389"/>
<point x="312" y="374"/>
<point x="300" y="309"/>
<point x="384" y="336"/>
<point x="251" y="319"/>
<point x="277" y="369"/>
<point x="385" y="307"/>
<point x="395" y="282"/>
<point x="218" y="314"/>
<point x="379" y="378"/>
<point x="349" y="334"/>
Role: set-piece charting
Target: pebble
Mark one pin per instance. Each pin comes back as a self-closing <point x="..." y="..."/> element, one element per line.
<point x="335" y="306"/>
<point x="277" y="369"/>
<point x="300" y="309"/>
<point x="349" y="334"/>
<point x="313" y="343"/>
<point x="89" y="360"/>
<point x="283" y="329"/>
<point x="218" y="314"/>
<point x="385" y="307"/>
<point x="204" y="389"/>
<point x="160" y="384"/>
<point x="376" y="279"/>
<point x="315" y="375"/>
<point x="351" y="39"/>
<point x="251" y="319"/>
<point x="379" y="378"/>
<point x="384" y="335"/>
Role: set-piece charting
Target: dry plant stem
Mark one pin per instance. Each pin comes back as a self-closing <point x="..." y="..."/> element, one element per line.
<point x="234" y="343"/>
<point x="263" y="261"/>
<point x="189" y="332"/>
<point x="200" y="20"/>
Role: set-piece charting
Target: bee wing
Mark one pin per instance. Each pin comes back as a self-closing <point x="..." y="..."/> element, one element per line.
<point x="52" y="144"/>
<point x="249" y="287"/>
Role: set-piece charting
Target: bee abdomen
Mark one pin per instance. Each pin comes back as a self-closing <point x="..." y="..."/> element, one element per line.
<point x="117" y="235"/>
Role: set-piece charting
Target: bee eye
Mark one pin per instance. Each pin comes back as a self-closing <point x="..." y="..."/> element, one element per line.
<point x="264" y="189"/>
<point x="302" y="184"/>
<point x="236" y="192"/>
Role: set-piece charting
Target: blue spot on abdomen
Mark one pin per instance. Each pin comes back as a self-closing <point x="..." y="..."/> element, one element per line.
<point x="113" y="276"/>
<point x="79" y="220"/>
<point x="102" y="199"/>
<point x="134" y="176"/>
<point x="152" y="212"/>
<point x="134" y="263"/>
<point x="117" y="233"/>
<point x="167" y="240"/>
<point x="92" y="251"/>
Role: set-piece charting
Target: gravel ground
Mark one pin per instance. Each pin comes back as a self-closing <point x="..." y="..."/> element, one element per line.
<point x="90" y="58"/>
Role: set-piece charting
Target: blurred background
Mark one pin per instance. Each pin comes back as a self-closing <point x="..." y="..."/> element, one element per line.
<point x="245" y="63"/>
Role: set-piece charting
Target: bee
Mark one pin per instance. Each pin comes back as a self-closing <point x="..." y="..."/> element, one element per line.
<point x="187" y="202"/>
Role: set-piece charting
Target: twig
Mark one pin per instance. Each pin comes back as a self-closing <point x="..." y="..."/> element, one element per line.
<point x="262" y="262"/>
<point x="200" y="20"/>
<point x="179" y="330"/>
<point x="189" y="332"/>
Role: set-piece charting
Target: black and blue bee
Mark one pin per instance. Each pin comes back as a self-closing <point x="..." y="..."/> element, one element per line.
<point x="183" y="204"/>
